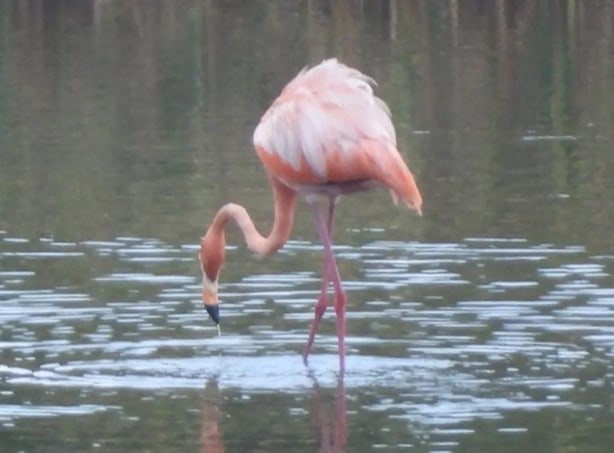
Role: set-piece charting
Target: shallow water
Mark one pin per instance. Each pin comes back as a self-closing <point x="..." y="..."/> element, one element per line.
<point x="482" y="339"/>
<point x="486" y="325"/>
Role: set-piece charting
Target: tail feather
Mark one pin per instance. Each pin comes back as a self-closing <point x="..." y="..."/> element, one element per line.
<point x="390" y="169"/>
<point x="406" y="189"/>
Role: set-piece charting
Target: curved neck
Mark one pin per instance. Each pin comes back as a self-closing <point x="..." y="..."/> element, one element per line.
<point x="213" y="243"/>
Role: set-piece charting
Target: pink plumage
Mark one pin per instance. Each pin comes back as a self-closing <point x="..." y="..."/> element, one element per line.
<point x="326" y="135"/>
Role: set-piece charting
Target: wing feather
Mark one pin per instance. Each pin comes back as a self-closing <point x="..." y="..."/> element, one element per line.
<point x="322" y="116"/>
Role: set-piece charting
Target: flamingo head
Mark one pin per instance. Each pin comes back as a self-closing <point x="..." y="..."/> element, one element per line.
<point x="210" y="299"/>
<point x="210" y="263"/>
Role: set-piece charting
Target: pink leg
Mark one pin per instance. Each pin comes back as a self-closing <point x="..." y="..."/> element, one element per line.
<point x="330" y="272"/>
<point x="320" y="308"/>
<point x="322" y="303"/>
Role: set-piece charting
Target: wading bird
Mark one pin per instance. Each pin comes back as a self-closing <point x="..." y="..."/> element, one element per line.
<point x="326" y="135"/>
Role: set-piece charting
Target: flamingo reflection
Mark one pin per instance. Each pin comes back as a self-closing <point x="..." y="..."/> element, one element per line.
<point x="328" y="418"/>
<point x="211" y="435"/>
<point x="331" y="428"/>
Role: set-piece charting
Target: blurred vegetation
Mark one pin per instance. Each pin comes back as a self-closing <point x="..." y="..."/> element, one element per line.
<point x="135" y="117"/>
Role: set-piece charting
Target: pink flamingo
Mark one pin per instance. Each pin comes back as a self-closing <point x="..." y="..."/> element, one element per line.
<point x="326" y="135"/>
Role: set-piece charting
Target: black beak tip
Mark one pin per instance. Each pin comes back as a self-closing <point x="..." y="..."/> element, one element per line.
<point x="214" y="313"/>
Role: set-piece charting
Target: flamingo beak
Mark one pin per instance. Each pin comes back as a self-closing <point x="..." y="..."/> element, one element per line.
<point x="214" y="313"/>
<point x="212" y="306"/>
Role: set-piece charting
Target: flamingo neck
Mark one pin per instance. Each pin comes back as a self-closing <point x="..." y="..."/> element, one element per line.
<point x="213" y="243"/>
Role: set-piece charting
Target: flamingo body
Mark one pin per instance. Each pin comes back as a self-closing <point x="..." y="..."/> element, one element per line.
<point x="326" y="128"/>
<point x="327" y="135"/>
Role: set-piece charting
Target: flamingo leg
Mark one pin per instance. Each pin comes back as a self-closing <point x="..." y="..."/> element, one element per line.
<point x="322" y="303"/>
<point x="330" y="272"/>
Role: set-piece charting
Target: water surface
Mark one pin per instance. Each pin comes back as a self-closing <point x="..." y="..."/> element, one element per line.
<point x="486" y="325"/>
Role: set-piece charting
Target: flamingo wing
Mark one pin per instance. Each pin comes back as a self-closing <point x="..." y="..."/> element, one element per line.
<point x="326" y="127"/>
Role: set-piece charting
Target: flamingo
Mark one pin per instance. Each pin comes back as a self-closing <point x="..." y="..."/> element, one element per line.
<point x="325" y="136"/>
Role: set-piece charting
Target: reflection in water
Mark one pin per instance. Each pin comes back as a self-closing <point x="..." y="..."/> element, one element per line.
<point x="211" y="435"/>
<point x="329" y="419"/>
<point x="502" y="108"/>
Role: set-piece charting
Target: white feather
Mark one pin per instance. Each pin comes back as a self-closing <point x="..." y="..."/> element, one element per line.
<point x="326" y="109"/>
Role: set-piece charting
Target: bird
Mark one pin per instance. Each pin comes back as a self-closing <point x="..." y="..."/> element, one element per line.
<point x="326" y="135"/>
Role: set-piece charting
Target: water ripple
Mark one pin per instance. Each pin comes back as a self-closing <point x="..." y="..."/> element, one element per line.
<point x="460" y="331"/>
